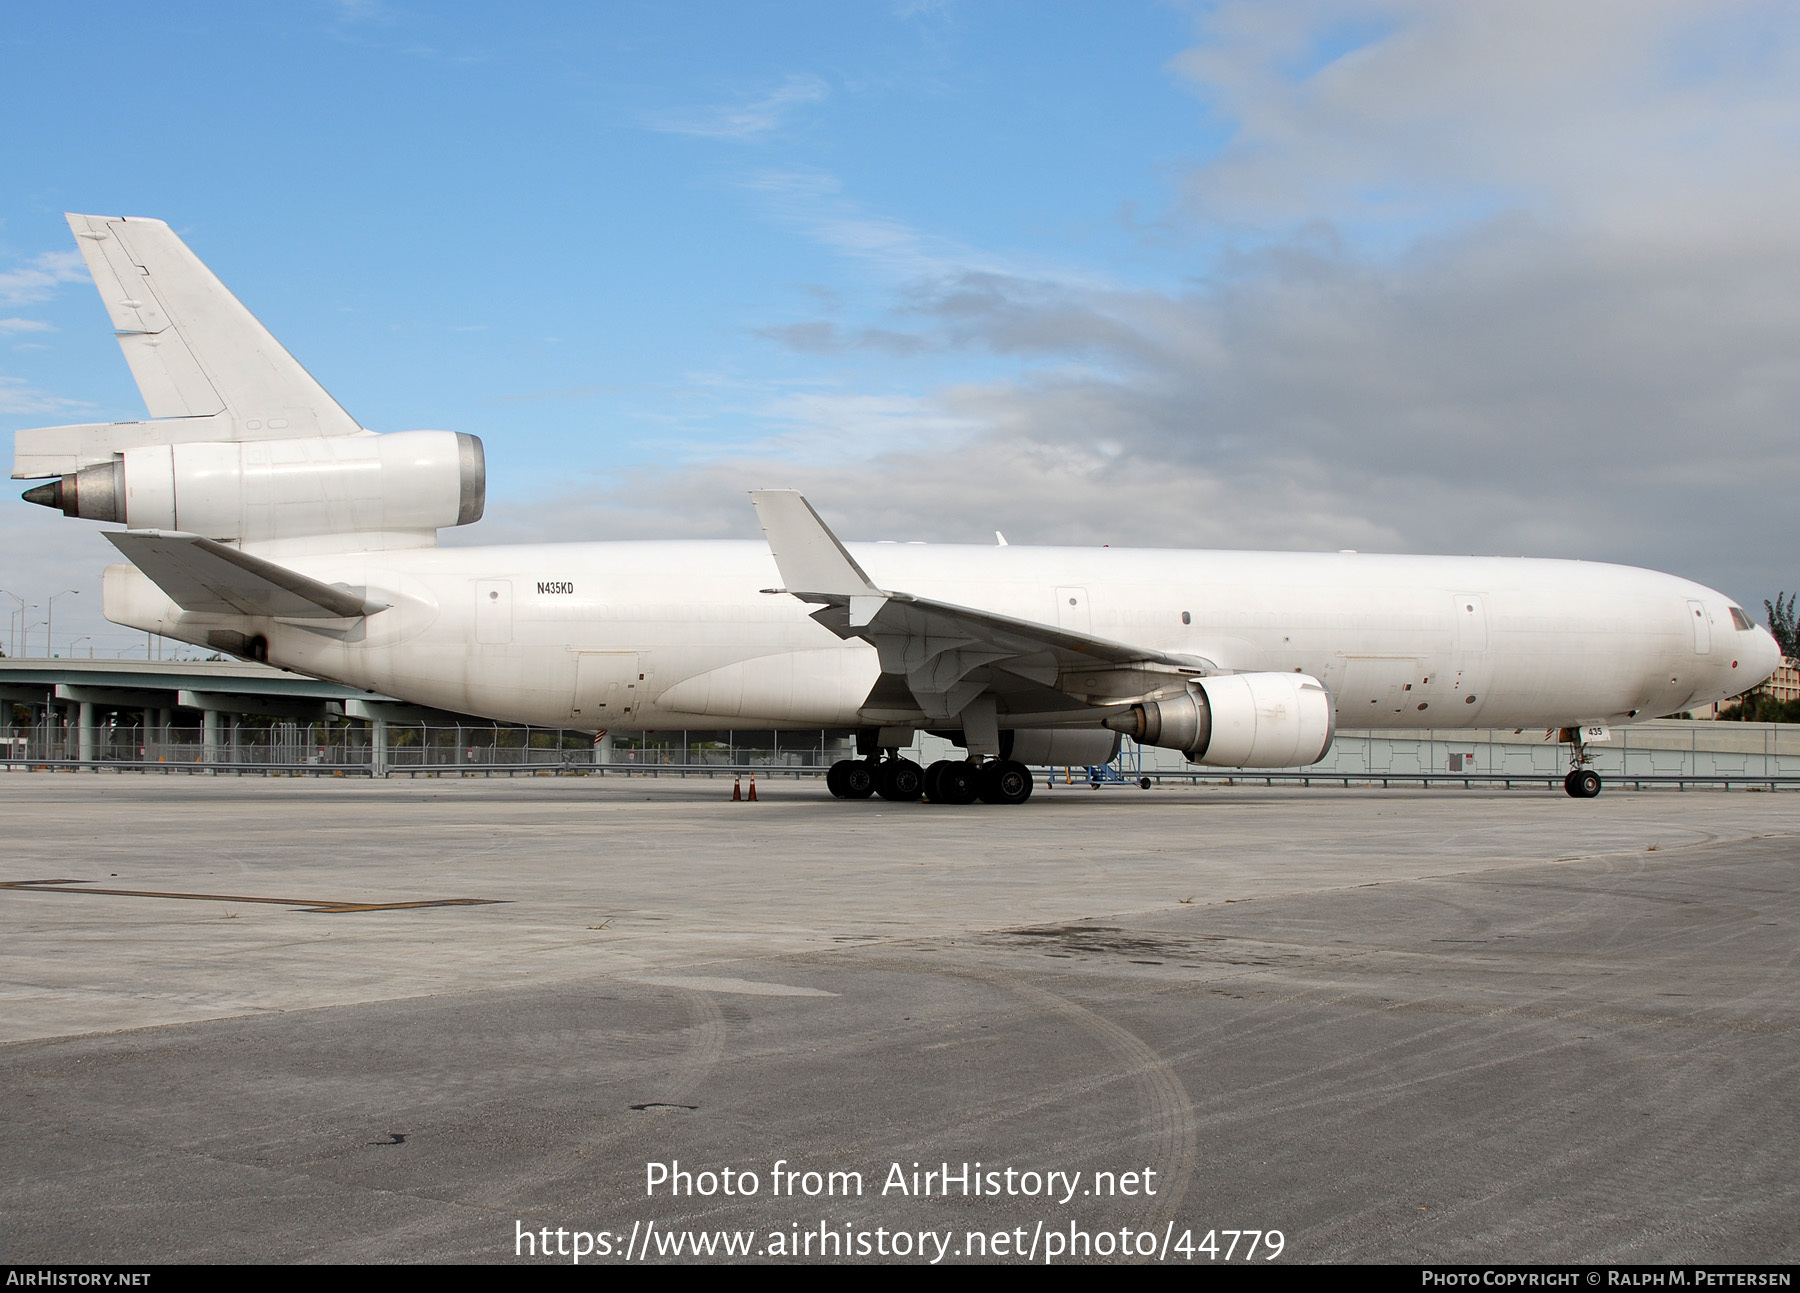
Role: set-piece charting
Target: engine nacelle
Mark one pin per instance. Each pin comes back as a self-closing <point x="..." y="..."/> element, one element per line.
<point x="1239" y="720"/>
<point x="1060" y="747"/>
<point x="252" y="490"/>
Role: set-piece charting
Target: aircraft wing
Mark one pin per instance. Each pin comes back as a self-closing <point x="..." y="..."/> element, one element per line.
<point x="949" y="655"/>
<point x="209" y="577"/>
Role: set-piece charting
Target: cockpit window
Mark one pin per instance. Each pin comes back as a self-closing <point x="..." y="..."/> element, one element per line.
<point x="1740" y="621"/>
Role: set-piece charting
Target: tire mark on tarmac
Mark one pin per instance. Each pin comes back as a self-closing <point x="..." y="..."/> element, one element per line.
<point x="1169" y="1122"/>
<point x="706" y="1031"/>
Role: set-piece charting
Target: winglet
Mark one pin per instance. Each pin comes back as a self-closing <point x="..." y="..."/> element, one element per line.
<point x="807" y="553"/>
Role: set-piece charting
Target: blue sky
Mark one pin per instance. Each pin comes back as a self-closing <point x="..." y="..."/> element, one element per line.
<point x="570" y="231"/>
<point x="1387" y="275"/>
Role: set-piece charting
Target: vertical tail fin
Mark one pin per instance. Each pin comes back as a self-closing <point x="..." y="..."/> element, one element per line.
<point x="208" y="370"/>
<point x="192" y="346"/>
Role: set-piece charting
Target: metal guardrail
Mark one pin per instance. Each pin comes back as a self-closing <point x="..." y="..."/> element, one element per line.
<point x="535" y="768"/>
<point x="1058" y="777"/>
<point x="1469" y="780"/>
<point x="187" y="768"/>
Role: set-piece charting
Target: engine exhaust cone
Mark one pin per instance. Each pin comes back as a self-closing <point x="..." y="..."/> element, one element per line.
<point x="46" y="495"/>
<point x="1131" y="722"/>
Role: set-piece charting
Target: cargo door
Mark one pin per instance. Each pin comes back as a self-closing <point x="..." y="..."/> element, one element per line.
<point x="608" y="685"/>
<point x="1472" y="662"/>
<point x="1375" y="690"/>
<point x="1702" y="628"/>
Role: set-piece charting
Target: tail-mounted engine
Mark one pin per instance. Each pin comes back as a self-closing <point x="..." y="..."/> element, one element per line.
<point x="1239" y="720"/>
<point x="256" y="490"/>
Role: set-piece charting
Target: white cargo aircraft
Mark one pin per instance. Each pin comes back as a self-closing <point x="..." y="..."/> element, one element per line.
<point x="261" y="519"/>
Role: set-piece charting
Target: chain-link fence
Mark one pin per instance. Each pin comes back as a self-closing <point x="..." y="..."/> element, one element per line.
<point x="250" y="745"/>
<point x="1659" y="753"/>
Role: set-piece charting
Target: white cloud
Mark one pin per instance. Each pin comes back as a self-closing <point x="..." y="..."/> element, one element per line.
<point x="17" y="397"/>
<point x="1464" y="279"/>
<point x="755" y="119"/>
<point x="1517" y="279"/>
<point x="9" y="326"/>
<point x="1396" y="112"/>
<point x="38" y="279"/>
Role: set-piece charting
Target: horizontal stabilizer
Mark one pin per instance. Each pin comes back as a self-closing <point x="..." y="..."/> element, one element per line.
<point x="208" y="577"/>
<point x="61" y="451"/>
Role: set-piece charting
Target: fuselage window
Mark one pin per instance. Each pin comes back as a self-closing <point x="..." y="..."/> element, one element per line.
<point x="1186" y="618"/>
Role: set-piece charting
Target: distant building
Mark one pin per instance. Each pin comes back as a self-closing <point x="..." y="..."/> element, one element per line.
<point x="1783" y="685"/>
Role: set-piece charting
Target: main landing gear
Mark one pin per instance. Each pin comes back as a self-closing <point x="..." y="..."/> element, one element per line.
<point x="851" y="778"/>
<point x="893" y="778"/>
<point x="1582" y="782"/>
<point x="948" y="781"/>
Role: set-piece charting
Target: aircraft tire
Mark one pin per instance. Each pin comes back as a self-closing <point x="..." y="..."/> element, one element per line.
<point x="856" y="780"/>
<point x="899" y="781"/>
<point x="834" y="779"/>
<point x="931" y="781"/>
<point x="959" y="782"/>
<point x="1583" y="783"/>
<point x="1005" y="781"/>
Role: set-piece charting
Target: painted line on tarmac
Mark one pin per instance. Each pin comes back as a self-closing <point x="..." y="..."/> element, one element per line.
<point x="324" y="906"/>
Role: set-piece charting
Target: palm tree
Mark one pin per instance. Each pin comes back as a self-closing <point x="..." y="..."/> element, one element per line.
<point x="1782" y="625"/>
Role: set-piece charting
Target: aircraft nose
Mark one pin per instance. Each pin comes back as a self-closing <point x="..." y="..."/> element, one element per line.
<point x="1768" y="656"/>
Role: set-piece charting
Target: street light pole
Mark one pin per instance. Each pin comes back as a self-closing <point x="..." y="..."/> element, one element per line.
<point x="50" y="623"/>
<point x="15" y="637"/>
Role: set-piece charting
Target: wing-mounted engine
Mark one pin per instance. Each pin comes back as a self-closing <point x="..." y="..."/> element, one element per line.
<point x="1240" y="720"/>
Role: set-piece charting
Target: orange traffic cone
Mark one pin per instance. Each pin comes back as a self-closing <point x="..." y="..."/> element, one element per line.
<point x="752" y="795"/>
<point x="737" y="790"/>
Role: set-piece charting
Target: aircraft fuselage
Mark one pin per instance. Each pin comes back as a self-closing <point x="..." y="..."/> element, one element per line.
<point x="646" y="635"/>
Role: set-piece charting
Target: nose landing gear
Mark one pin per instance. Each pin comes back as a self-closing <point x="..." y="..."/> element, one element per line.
<point x="1582" y="782"/>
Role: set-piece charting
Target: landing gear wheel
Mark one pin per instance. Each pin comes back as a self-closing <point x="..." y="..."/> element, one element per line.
<point x="856" y="778"/>
<point x="1005" y="781"/>
<point x="1583" y="783"/>
<point x="899" y="780"/>
<point x="931" y="780"/>
<point x="834" y="779"/>
<point x="958" y="783"/>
